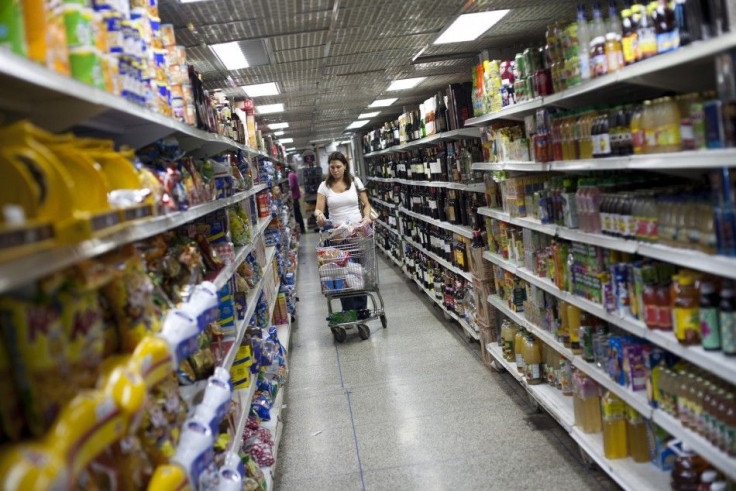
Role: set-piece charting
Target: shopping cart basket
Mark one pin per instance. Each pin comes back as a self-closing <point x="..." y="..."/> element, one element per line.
<point x="347" y="268"/>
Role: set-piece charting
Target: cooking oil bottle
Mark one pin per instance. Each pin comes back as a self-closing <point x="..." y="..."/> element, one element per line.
<point x="636" y="436"/>
<point x="614" y="426"/>
<point x="586" y="403"/>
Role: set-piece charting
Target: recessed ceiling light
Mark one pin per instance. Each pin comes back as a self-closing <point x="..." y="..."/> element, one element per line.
<point x="277" y="126"/>
<point x="407" y="83"/>
<point x="230" y="55"/>
<point x="468" y="27"/>
<point x="369" y="115"/>
<point x="286" y="140"/>
<point x="358" y="124"/>
<point x="383" y="102"/>
<point x="270" y="108"/>
<point x="259" y="90"/>
<point x="278" y="133"/>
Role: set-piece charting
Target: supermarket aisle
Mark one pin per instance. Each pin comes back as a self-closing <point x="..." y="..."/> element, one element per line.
<point x="411" y="408"/>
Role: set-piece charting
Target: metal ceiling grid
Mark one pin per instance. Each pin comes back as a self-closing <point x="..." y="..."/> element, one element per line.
<point x="367" y="45"/>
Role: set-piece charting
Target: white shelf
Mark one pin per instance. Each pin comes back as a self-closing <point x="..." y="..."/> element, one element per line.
<point x="428" y="140"/>
<point x="718" y="265"/>
<point x="715" y="362"/>
<point x="630" y="475"/>
<point x="384" y="203"/>
<point x="387" y="227"/>
<point x="25" y="269"/>
<point x="251" y="303"/>
<point x="440" y="260"/>
<point x="240" y="255"/>
<point x="691" y="159"/>
<point x="476" y="187"/>
<point x="458" y="229"/>
<point x="638" y="73"/>
<point x="559" y="406"/>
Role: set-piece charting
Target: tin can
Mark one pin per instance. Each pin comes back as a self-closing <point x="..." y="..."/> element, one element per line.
<point x="520" y="65"/>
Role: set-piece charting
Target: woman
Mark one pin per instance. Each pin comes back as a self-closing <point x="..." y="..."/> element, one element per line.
<point x="341" y="193"/>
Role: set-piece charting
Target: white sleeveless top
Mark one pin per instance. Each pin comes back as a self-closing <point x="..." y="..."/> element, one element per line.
<point x="343" y="206"/>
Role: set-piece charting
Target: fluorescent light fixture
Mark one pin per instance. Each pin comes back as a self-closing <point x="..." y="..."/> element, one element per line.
<point x="291" y="149"/>
<point x="230" y="55"/>
<point x="259" y="90"/>
<point x="278" y="133"/>
<point x="383" y="102"/>
<point x="270" y="108"/>
<point x="369" y="115"/>
<point x="358" y="124"/>
<point x="468" y="27"/>
<point x="407" y="83"/>
<point x="277" y="126"/>
<point x="346" y="142"/>
<point x="286" y="140"/>
<point x="189" y="1"/>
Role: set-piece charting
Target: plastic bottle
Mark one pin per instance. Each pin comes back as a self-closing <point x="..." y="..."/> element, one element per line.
<point x="637" y="131"/>
<point x="613" y="412"/>
<point x="614" y="53"/>
<point x="708" y="315"/>
<point x="533" y="361"/>
<point x="668" y="128"/>
<point x="573" y="320"/>
<point x="687" y="468"/>
<point x="664" y="306"/>
<point x="586" y="404"/>
<point x="685" y="313"/>
<point x="646" y="31"/>
<point x="519" y="350"/>
<point x="583" y="43"/>
<point x="629" y="38"/>
<point x="649" y="128"/>
<point x="636" y="436"/>
<point x="727" y="319"/>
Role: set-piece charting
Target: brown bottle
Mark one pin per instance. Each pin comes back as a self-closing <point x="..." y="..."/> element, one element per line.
<point x="687" y="469"/>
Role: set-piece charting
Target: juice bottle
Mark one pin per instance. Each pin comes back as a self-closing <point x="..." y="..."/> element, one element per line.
<point x="629" y="37"/>
<point x="668" y="129"/>
<point x="564" y="330"/>
<point x="649" y="298"/>
<point x="636" y="436"/>
<point x="685" y="380"/>
<point x="727" y="319"/>
<point x="533" y="360"/>
<point x="573" y="321"/>
<point x="637" y="130"/>
<point x="613" y="411"/>
<point x="687" y="468"/>
<point x="708" y="315"/>
<point x="664" y="304"/>
<point x="586" y="403"/>
<point x="696" y="394"/>
<point x="649" y="127"/>
<point x="614" y="53"/>
<point x="706" y="227"/>
<point x="685" y="316"/>
<point x="710" y="408"/>
<point x="519" y="350"/>
<point x="720" y="417"/>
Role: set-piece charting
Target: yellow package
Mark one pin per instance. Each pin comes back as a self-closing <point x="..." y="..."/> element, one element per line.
<point x="46" y="34"/>
<point x="36" y="345"/>
<point x="130" y="296"/>
<point x="11" y="418"/>
<point x="82" y="321"/>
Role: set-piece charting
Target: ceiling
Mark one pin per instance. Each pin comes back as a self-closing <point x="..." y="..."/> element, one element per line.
<point x="332" y="58"/>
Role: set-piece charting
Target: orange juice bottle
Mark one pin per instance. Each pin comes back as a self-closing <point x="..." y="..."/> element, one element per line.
<point x="636" y="436"/>
<point x="586" y="403"/>
<point x="613" y="411"/>
<point x="573" y="322"/>
<point x="519" y="350"/>
<point x="533" y="361"/>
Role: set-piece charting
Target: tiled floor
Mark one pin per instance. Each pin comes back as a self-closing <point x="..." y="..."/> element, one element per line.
<point x="413" y="407"/>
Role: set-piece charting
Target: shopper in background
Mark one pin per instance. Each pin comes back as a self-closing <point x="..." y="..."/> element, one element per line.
<point x="295" y="195"/>
<point x="343" y="194"/>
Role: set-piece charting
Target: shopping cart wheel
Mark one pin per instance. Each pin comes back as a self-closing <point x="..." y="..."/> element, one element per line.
<point x="384" y="323"/>
<point x="340" y="334"/>
<point x="364" y="331"/>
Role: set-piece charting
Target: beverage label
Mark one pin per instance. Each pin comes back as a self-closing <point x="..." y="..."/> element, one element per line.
<point x="598" y="65"/>
<point x="686" y="323"/>
<point x="629" y="45"/>
<point x="665" y="318"/>
<point x="435" y="167"/>
<point x="651" y="315"/>
<point x="650" y="137"/>
<point x="668" y="134"/>
<point x="613" y="410"/>
<point x="519" y="362"/>
<point x="604" y="143"/>
<point x="533" y="372"/>
<point x="727" y="321"/>
<point x="605" y="222"/>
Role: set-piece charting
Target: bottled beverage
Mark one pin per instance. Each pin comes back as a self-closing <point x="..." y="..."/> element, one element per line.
<point x="629" y="38"/>
<point x="685" y="314"/>
<point x="668" y="128"/>
<point x="573" y="320"/>
<point x="727" y="319"/>
<point x="533" y="360"/>
<point x="584" y="38"/>
<point x="636" y="436"/>
<point x="646" y="31"/>
<point x="708" y="315"/>
<point x="597" y="27"/>
<point x="598" y="59"/>
<point x="664" y="306"/>
<point x="649" y="126"/>
<point x="637" y="131"/>
<point x="686" y="470"/>
<point x="613" y="412"/>
<point x="586" y="403"/>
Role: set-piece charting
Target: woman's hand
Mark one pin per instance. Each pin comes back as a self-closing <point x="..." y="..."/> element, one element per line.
<point x="366" y="221"/>
<point x="321" y="220"/>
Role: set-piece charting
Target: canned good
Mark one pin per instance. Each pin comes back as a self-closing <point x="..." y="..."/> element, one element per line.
<point x="520" y="65"/>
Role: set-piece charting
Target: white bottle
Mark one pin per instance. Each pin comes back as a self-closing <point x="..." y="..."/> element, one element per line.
<point x="203" y="304"/>
<point x="181" y="332"/>
<point x="195" y="454"/>
<point x="583" y="44"/>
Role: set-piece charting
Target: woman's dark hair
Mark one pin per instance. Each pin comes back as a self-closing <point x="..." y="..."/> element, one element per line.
<point x="346" y="178"/>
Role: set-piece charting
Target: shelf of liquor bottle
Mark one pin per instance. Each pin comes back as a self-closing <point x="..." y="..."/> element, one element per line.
<point x="715" y="362"/>
<point x="58" y="102"/>
<point x="445" y="264"/>
<point x="701" y="445"/>
<point x="646" y="72"/>
<point x="429" y="140"/>
<point x="387" y="227"/>
<point x="476" y="187"/>
<point x="251" y="302"/>
<point x="458" y="229"/>
<point x="689" y="258"/>
<point x="241" y="252"/>
<point x="560" y="407"/>
<point x="23" y="269"/>
<point x="392" y="257"/>
<point x="689" y="159"/>
<point x="630" y="475"/>
<point x="382" y="202"/>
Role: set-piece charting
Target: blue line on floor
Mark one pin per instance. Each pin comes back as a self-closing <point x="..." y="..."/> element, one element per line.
<point x="352" y="421"/>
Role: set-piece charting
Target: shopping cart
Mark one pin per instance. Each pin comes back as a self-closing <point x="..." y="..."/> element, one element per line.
<point x="346" y="257"/>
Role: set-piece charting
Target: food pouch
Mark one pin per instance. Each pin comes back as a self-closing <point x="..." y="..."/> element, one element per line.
<point x="82" y="322"/>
